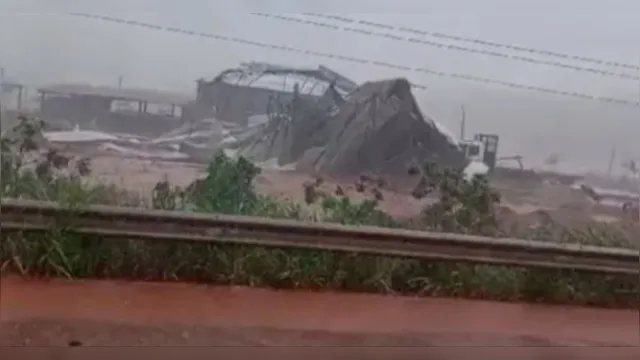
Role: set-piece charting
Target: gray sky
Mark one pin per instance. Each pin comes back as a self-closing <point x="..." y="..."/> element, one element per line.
<point x="40" y="44"/>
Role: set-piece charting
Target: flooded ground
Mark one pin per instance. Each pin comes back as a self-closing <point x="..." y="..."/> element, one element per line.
<point x="140" y="176"/>
<point x="56" y="312"/>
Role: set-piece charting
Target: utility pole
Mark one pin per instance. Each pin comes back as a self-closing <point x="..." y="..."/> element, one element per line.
<point x="463" y="123"/>
<point x="120" y="80"/>
<point x="1" y="93"/>
<point x="637" y="172"/>
<point x="612" y="159"/>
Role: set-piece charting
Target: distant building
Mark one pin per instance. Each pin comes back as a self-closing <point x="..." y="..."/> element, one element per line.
<point x="141" y="111"/>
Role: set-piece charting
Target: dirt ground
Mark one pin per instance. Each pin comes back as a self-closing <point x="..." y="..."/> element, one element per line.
<point x="96" y="313"/>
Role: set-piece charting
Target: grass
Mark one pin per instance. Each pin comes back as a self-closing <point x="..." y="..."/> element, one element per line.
<point x="72" y="256"/>
<point x="464" y="206"/>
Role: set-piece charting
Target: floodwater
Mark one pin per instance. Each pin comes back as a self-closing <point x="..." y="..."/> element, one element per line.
<point x="54" y="312"/>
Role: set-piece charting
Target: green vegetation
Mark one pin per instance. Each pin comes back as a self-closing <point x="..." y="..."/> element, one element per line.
<point x="463" y="206"/>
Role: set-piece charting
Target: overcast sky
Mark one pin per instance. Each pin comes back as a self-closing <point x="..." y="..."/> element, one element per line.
<point x="39" y="43"/>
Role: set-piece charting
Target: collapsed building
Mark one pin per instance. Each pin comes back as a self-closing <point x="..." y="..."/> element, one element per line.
<point x="322" y="120"/>
<point x="378" y="128"/>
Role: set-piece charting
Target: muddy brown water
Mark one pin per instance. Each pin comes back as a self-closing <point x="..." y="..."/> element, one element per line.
<point x="91" y="312"/>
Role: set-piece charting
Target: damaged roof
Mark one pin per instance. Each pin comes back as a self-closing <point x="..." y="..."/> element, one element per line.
<point x="250" y="74"/>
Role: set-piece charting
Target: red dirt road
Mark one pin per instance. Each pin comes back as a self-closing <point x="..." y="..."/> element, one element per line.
<point x="39" y="312"/>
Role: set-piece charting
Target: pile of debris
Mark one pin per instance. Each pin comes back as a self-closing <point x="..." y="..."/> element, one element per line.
<point x="378" y="129"/>
<point x="291" y="129"/>
<point x="92" y="143"/>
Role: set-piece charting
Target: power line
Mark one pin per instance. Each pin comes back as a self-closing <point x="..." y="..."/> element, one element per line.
<point x="355" y="60"/>
<point x="389" y="36"/>
<point x="477" y="41"/>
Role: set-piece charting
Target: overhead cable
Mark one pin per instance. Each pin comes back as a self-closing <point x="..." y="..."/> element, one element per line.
<point x="439" y="35"/>
<point x="355" y="60"/>
<point x="387" y="34"/>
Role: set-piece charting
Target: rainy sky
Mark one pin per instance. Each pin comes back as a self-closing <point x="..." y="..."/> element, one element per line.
<point x="40" y="43"/>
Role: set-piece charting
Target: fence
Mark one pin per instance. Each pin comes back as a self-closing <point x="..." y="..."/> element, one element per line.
<point x="154" y="225"/>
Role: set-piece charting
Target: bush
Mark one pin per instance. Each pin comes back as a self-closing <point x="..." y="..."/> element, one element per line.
<point x="32" y="170"/>
<point x="463" y="206"/>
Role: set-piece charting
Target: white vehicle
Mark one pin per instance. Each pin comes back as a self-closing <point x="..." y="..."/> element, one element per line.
<point x="473" y="150"/>
<point x="482" y="148"/>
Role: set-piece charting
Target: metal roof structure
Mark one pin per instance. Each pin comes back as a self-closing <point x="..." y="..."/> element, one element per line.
<point x="308" y="79"/>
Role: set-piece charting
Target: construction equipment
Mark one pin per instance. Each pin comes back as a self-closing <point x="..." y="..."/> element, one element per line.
<point x="482" y="148"/>
<point x="516" y="158"/>
<point x="490" y="148"/>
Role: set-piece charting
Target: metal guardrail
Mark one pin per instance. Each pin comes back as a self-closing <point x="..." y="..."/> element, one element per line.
<point x="154" y="225"/>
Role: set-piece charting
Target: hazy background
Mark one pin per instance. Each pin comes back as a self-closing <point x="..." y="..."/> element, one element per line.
<point x="40" y="44"/>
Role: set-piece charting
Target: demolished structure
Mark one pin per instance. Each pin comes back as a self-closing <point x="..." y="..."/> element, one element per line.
<point x="378" y="128"/>
<point x="322" y="121"/>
